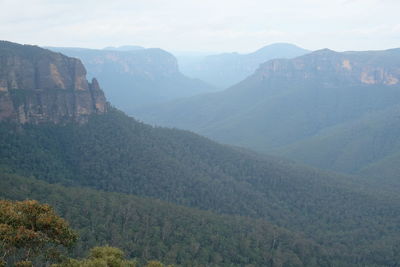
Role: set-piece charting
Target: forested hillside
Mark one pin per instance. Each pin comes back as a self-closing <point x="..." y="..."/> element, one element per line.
<point x="113" y="152"/>
<point x="332" y="110"/>
<point x="353" y="146"/>
<point x="148" y="229"/>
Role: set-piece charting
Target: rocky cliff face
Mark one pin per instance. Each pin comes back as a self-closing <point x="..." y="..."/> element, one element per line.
<point x="135" y="78"/>
<point x="37" y="85"/>
<point x="328" y="67"/>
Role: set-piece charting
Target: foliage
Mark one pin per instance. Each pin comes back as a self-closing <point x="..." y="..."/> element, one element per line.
<point x="156" y="264"/>
<point x="354" y="222"/>
<point x="149" y="229"/>
<point x="100" y="256"/>
<point x="29" y="229"/>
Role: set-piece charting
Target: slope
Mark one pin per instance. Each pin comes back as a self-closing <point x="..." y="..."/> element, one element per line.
<point x="287" y="101"/>
<point x="352" y="146"/>
<point x="113" y="152"/>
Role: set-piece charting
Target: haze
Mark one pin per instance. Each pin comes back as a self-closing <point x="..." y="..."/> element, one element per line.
<point x="209" y="26"/>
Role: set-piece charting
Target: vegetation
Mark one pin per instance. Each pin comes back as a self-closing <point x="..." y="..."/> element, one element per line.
<point x="148" y="229"/>
<point x="106" y="257"/>
<point x="180" y="198"/>
<point x="350" y="219"/>
<point x="309" y="109"/>
<point x="100" y="256"/>
<point x="29" y="230"/>
<point x="32" y="231"/>
<point x="355" y="147"/>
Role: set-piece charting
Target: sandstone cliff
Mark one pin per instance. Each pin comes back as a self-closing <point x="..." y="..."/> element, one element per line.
<point x="37" y="85"/>
<point x="131" y="79"/>
<point x="331" y="68"/>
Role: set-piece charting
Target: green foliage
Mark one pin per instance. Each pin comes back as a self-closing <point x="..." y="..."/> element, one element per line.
<point x="29" y="229"/>
<point x="352" y="221"/>
<point x="149" y="229"/>
<point x="100" y="256"/>
<point x="354" y="146"/>
<point x="156" y="264"/>
<point x="24" y="264"/>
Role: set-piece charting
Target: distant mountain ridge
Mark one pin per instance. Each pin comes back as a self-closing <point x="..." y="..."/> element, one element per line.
<point x="124" y="48"/>
<point x="137" y="77"/>
<point x="287" y="101"/>
<point x="37" y="85"/>
<point x="224" y="70"/>
<point x="330" y="68"/>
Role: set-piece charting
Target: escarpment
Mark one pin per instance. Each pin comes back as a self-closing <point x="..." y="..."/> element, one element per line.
<point x="332" y="68"/>
<point x="37" y="85"/>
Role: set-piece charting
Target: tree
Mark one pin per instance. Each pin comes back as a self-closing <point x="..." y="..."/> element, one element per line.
<point x="156" y="264"/>
<point x="106" y="257"/>
<point x="100" y="257"/>
<point x="29" y="230"/>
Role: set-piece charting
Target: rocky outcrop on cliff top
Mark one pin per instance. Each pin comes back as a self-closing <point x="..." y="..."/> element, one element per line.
<point x="37" y="85"/>
<point x="329" y="68"/>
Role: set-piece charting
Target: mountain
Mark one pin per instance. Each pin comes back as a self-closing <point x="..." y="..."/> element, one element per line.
<point x="111" y="176"/>
<point x="37" y="85"/>
<point x="136" y="77"/>
<point x="227" y="69"/>
<point x="124" y="48"/>
<point x="318" y="96"/>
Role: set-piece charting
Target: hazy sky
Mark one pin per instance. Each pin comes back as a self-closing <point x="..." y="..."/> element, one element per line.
<point x="203" y="25"/>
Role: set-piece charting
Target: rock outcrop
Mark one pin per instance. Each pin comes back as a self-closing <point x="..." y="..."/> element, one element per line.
<point x="135" y="78"/>
<point x="37" y="85"/>
<point x="331" y="68"/>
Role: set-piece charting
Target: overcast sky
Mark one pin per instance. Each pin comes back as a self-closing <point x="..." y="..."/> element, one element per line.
<point x="203" y="25"/>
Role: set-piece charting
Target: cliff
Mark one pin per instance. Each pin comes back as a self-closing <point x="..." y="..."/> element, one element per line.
<point x="37" y="85"/>
<point x="330" y="68"/>
<point x="135" y="78"/>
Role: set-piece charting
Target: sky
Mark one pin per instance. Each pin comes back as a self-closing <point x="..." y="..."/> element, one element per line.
<point x="203" y="25"/>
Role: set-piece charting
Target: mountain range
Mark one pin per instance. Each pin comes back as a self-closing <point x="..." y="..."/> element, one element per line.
<point x="226" y="69"/>
<point x="332" y="110"/>
<point x="176" y="196"/>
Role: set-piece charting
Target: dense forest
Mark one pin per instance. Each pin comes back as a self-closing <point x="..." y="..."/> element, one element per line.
<point x="348" y="218"/>
<point x="148" y="229"/>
